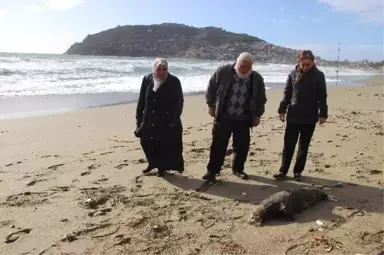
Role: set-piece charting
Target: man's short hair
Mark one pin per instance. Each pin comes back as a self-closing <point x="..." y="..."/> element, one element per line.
<point x="246" y="56"/>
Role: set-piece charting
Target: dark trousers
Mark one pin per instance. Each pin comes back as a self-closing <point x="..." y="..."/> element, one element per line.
<point x="292" y="132"/>
<point x="221" y="133"/>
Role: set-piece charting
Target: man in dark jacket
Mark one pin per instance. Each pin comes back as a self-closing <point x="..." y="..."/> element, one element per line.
<point x="305" y="97"/>
<point x="236" y="99"/>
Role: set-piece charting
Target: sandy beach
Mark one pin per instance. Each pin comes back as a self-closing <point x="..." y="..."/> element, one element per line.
<point x="71" y="184"/>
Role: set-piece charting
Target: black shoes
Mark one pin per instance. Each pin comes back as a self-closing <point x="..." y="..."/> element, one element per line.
<point x="297" y="176"/>
<point x="282" y="176"/>
<point x="241" y="175"/>
<point x="209" y="177"/>
<point x="279" y="176"/>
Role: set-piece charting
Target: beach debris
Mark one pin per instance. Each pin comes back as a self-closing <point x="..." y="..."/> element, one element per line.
<point x="93" y="204"/>
<point x="333" y="198"/>
<point x="70" y="237"/>
<point x="12" y="237"/>
<point x="327" y="166"/>
<point x="322" y="225"/>
<point x="328" y="243"/>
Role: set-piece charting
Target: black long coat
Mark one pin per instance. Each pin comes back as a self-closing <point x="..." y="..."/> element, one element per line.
<point x="159" y="124"/>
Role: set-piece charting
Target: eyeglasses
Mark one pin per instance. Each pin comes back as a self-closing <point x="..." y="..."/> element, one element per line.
<point x="162" y="69"/>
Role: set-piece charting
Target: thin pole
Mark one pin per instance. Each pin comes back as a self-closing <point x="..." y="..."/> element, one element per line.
<point x="337" y="65"/>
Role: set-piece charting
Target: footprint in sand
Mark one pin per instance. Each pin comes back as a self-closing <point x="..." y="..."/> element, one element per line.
<point x="12" y="237"/>
<point x="93" y="166"/>
<point x="99" y="181"/>
<point x="85" y="173"/>
<point x="26" y="199"/>
<point x="88" y="153"/>
<point x="106" y="153"/>
<point x="117" y="146"/>
<point x="55" y="167"/>
<point x="50" y="156"/>
<point x="138" y="182"/>
<point x="61" y="189"/>
<point x="35" y="181"/>
<point x="100" y="212"/>
<point x="6" y="223"/>
<point x="121" y="166"/>
<point x="121" y="240"/>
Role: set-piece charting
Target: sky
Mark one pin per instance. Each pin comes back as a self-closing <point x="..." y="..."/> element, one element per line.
<point x="51" y="26"/>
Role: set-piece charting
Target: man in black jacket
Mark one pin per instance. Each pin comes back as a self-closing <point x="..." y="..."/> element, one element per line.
<point x="235" y="97"/>
<point x="305" y="97"/>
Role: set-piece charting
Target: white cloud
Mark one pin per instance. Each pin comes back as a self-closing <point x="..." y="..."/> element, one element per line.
<point x="63" y="4"/>
<point x="32" y="7"/>
<point x="3" y="13"/>
<point x="368" y="10"/>
<point x="350" y="52"/>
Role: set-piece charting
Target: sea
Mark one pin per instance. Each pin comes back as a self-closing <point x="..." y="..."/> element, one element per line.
<point x="40" y="84"/>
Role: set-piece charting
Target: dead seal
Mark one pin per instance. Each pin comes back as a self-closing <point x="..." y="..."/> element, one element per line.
<point x="284" y="204"/>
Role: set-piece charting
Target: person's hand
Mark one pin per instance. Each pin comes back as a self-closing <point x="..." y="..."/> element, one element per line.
<point x="137" y="132"/>
<point x="322" y="120"/>
<point x="212" y="111"/>
<point x="282" y="116"/>
<point x="256" y="122"/>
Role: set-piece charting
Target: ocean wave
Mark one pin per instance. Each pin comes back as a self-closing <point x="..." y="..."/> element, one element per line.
<point x="31" y="74"/>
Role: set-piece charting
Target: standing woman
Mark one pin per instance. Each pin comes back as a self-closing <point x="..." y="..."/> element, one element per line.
<point x="158" y="122"/>
<point x="304" y="104"/>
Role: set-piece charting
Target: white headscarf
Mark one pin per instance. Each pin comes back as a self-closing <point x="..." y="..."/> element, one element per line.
<point x="245" y="56"/>
<point x="156" y="63"/>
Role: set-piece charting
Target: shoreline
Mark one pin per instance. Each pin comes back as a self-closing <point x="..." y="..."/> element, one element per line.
<point x="35" y="106"/>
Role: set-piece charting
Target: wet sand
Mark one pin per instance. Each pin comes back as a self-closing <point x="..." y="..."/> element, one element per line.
<point x="72" y="183"/>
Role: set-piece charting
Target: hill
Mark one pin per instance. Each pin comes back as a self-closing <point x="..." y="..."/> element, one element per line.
<point x="178" y="40"/>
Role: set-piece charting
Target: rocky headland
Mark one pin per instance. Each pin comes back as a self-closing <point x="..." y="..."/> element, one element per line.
<point x="182" y="41"/>
<point x="177" y="40"/>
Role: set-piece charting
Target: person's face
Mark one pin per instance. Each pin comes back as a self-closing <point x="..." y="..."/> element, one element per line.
<point x="161" y="72"/>
<point x="244" y="67"/>
<point x="306" y="64"/>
